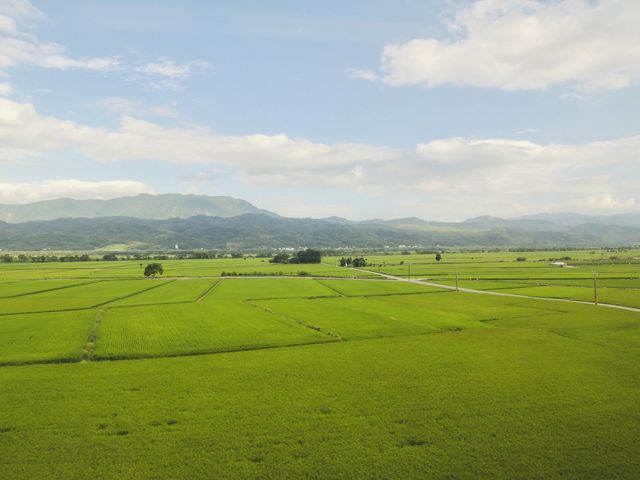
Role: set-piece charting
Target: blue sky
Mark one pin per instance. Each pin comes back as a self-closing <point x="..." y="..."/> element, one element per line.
<point x="438" y="109"/>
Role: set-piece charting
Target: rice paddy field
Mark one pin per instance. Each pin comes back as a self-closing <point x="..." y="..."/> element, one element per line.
<point x="382" y="372"/>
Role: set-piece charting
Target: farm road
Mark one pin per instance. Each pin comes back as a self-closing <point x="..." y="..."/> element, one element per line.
<point x="498" y="294"/>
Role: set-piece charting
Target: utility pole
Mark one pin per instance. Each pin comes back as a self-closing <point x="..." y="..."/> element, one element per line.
<point x="408" y="271"/>
<point x="457" y="288"/>
<point x="595" y="288"/>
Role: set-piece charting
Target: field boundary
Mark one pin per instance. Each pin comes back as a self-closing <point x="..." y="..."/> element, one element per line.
<point x="208" y="291"/>
<point x="143" y="356"/>
<point x="206" y="352"/>
<point x="337" y="337"/>
<point x="26" y="294"/>
<point x="133" y="294"/>
<point x="330" y="287"/>
<point x="90" y="345"/>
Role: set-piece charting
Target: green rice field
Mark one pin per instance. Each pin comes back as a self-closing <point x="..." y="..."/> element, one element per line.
<point x="336" y="374"/>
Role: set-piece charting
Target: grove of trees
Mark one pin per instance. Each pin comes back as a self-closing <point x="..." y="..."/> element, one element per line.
<point x="357" y="262"/>
<point x="303" y="256"/>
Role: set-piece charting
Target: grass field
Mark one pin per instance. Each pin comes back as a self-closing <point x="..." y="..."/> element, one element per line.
<point x="41" y="337"/>
<point x="196" y="376"/>
<point x="193" y="329"/>
<point x="180" y="291"/>
<point x="75" y="297"/>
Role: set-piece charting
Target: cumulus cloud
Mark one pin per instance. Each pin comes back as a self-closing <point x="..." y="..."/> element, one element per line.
<point x="18" y="46"/>
<point x="475" y="172"/>
<point x="524" y="45"/>
<point x="71" y="188"/>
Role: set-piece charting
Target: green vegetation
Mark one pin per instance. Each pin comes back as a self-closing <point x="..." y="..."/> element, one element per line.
<point x="192" y="329"/>
<point x="325" y="376"/>
<point x="153" y="269"/>
<point x="360" y="288"/>
<point x="303" y="256"/>
<point x="260" y="230"/>
<point x="37" y="337"/>
<point x="177" y="291"/>
<point x="141" y="206"/>
<point x="88" y="295"/>
<point x="357" y="262"/>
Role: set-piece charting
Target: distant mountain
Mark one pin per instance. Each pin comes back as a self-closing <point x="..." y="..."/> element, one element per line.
<point x="169" y="205"/>
<point x="574" y="219"/>
<point x="524" y="223"/>
<point x="196" y="221"/>
<point x="397" y="221"/>
<point x="337" y="220"/>
<point x="257" y="231"/>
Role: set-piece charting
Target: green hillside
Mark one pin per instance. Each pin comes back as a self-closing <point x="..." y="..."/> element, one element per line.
<point x="168" y="205"/>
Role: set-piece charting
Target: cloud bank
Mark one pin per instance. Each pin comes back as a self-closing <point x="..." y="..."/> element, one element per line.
<point x="595" y="175"/>
<point x="524" y="45"/>
<point x="69" y="188"/>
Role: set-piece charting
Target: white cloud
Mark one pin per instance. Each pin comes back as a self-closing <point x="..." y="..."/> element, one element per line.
<point x="26" y="132"/>
<point x="165" y="73"/>
<point x="480" y="175"/>
<point x="5" y="89"/>
<point x="8" y="25"/>
<point x="20" y="47"/>
<point x="525" y="45"/>
<point x="22" y="10"/>
<point x="126" y="106"/>
<point x="33" y="192"/>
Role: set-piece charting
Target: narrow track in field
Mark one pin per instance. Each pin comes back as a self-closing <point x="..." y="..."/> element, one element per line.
<point x="498" y="294"/>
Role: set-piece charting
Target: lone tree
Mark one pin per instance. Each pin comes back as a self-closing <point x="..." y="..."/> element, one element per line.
<point x="438" y="257"/>
<point x="153" y="269"/>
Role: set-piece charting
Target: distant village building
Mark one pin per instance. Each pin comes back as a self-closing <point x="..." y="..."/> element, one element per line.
<point x="558" y="264"/>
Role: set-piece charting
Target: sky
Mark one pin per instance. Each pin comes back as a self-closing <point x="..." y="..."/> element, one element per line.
<point x="443" y="110"/>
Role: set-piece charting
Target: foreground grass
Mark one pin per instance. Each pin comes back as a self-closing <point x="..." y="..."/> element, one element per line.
<point x="486" y="403"/>
<point x="316" y="379"/>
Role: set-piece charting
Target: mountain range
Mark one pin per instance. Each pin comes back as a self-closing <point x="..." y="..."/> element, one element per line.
<point x="167" y="205"/>
<point x="159" y="222"/>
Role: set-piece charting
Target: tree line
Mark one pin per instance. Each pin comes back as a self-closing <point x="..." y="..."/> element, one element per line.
<point x="303" y="256"/>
